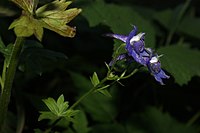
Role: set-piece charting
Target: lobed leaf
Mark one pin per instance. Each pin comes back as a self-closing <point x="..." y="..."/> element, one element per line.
<point x="52" y="105"/>
<point x="119" y="18"/>
<point x="181" y="62"/>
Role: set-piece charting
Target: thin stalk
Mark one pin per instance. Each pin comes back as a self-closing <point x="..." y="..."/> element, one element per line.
<point x="193" y="119"/>
<point x="176" y="22"/>
<point x="3" y="75"/>
<point x="88" y="93"/>
<point x="9" y="77"/>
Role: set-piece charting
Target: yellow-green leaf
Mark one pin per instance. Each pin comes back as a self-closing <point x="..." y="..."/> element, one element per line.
<point x="27" y="5"/>
<point x="26" y="26"/>
<point x="23" y="31"/>
<point x="63" y="16"/>
<point x="57" y="5"/>
<point x="58" y="27"/>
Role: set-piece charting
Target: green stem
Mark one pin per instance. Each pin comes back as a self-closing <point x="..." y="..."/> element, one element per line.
<point x="9" y="77"/>
<point x="88" y="93"/>
<point x="193" y="119"/>
<point x="176" y="22"/>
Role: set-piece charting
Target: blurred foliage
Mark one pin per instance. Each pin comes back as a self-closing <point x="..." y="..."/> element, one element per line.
<point x="64" y="66"/>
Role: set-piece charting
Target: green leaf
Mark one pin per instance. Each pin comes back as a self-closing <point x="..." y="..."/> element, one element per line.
<point x="81" y="82"/>
<point x="119" y="18"/>
<point x="109" y="128"/>
<point x="95" y="80"/>
<point x="105" y="92"/>
<point x="46" y="59"/>
<point x="81" y="124"/>
<point x="155" y="121"/>
<point x="190" y="26"/>
<point x="6" y="51"/>
<point x="171" y="19"/>
<point x="181" y="62"/>
<point x="57" y="109"/>
<point x="56" y="26"/>
<point x="47" y="115"/>
<point x="52" y="105"/>
<point x="164" y="17"/>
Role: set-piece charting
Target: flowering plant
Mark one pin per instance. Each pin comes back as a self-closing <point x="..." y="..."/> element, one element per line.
<point x="53" y="74"/>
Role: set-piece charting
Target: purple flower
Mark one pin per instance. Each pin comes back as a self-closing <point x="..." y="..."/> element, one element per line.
<point x="134" y="44"/>
<point x="135" y="47"/>
<point x="154" y="67"/>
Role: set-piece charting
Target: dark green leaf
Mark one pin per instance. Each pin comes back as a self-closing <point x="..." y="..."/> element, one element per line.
<point x="81" y="124"/>
<point x="81" y="82"/>
<point x="153" y="120"/>
<point x="36" y="60"/>
<point x="181" y="62"/>
<point x="118" y="18"/>
<point x="171" y="19"/>
<point x="109" y="128"/>
<point x="164" y="17"/>
<point x="190" y="26"/>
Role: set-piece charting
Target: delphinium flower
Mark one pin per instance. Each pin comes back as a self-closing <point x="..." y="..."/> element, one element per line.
<point x="135" y="47"/>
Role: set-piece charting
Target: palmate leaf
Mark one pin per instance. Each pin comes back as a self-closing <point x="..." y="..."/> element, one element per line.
<point x="57" y="109"/>
<point x="181" y="62"/>
<point x="118" y="18"/>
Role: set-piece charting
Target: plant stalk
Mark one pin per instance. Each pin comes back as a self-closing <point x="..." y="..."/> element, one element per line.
<point x="9" y="77"/>
<point x="88" y="93"/>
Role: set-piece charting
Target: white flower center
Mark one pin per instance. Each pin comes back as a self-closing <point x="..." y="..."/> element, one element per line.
<point x="154" y="60"/>
<point x="136" y="38"/>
